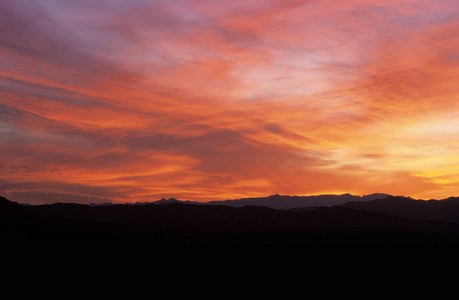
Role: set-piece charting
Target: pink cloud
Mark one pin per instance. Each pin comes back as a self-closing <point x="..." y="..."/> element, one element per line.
<point x="193" y="99"/>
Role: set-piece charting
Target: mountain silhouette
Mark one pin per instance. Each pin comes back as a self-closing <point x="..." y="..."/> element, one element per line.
<point x="18" y="222"/>
<point x="285" y="201"/>
<point x="176" y="222"/>
<point x="446" y="210"/>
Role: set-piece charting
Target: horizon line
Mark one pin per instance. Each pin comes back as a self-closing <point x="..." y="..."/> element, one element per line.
<point x="114" y="202"/>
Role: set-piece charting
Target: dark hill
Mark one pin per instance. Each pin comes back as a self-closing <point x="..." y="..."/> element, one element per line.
<point x="19" y="222"/>
<point x="289" y="202"/>
<point x="16" y="216"/>
<point x="213" y="217"/>
<point x="184" y="223"/>
<point x="446" y="210"/>
<point x="189" y="219"/>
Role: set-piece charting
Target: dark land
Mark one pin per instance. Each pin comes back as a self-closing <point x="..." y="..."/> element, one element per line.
<point x="382" y="221"/>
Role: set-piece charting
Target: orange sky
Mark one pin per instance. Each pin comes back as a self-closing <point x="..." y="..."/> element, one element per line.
<point x="203" y="100"/>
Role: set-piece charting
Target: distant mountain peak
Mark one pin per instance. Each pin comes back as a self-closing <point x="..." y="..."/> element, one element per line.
<point x="166" y="201"/>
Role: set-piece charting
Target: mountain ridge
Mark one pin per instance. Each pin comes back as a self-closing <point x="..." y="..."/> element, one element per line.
<point x="283" y="201"/>
<point x="177" y="222"/>
<point x="445" y="210"/>
<point x="275" y="201"/>
<point x="287" y="202"/>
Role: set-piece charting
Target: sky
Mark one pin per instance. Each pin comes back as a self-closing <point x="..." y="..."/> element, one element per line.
<point x="133" y="101"/>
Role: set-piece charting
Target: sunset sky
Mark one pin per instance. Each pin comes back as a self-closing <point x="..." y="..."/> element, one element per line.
<point x="125" y="101"/>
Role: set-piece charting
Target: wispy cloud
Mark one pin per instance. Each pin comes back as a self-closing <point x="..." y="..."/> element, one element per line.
<point x="133" y="101"/>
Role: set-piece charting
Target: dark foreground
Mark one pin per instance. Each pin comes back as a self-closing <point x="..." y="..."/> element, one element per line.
<point x="184" y="225"/>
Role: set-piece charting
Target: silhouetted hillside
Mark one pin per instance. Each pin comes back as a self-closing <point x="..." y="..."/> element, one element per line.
<point x="216" y="217"/>
<point x="188" y="223"/>
<point x="446" y="210"/>
<point x="15" y="216"/>
<point x="286" y="201"/>
<point x="19" y="222"/>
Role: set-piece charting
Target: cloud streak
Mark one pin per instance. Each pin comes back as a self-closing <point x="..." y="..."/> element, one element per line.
<point x="189" y="99"/>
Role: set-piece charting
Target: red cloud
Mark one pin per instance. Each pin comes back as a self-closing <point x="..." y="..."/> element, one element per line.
<point x="192" y="99"/>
